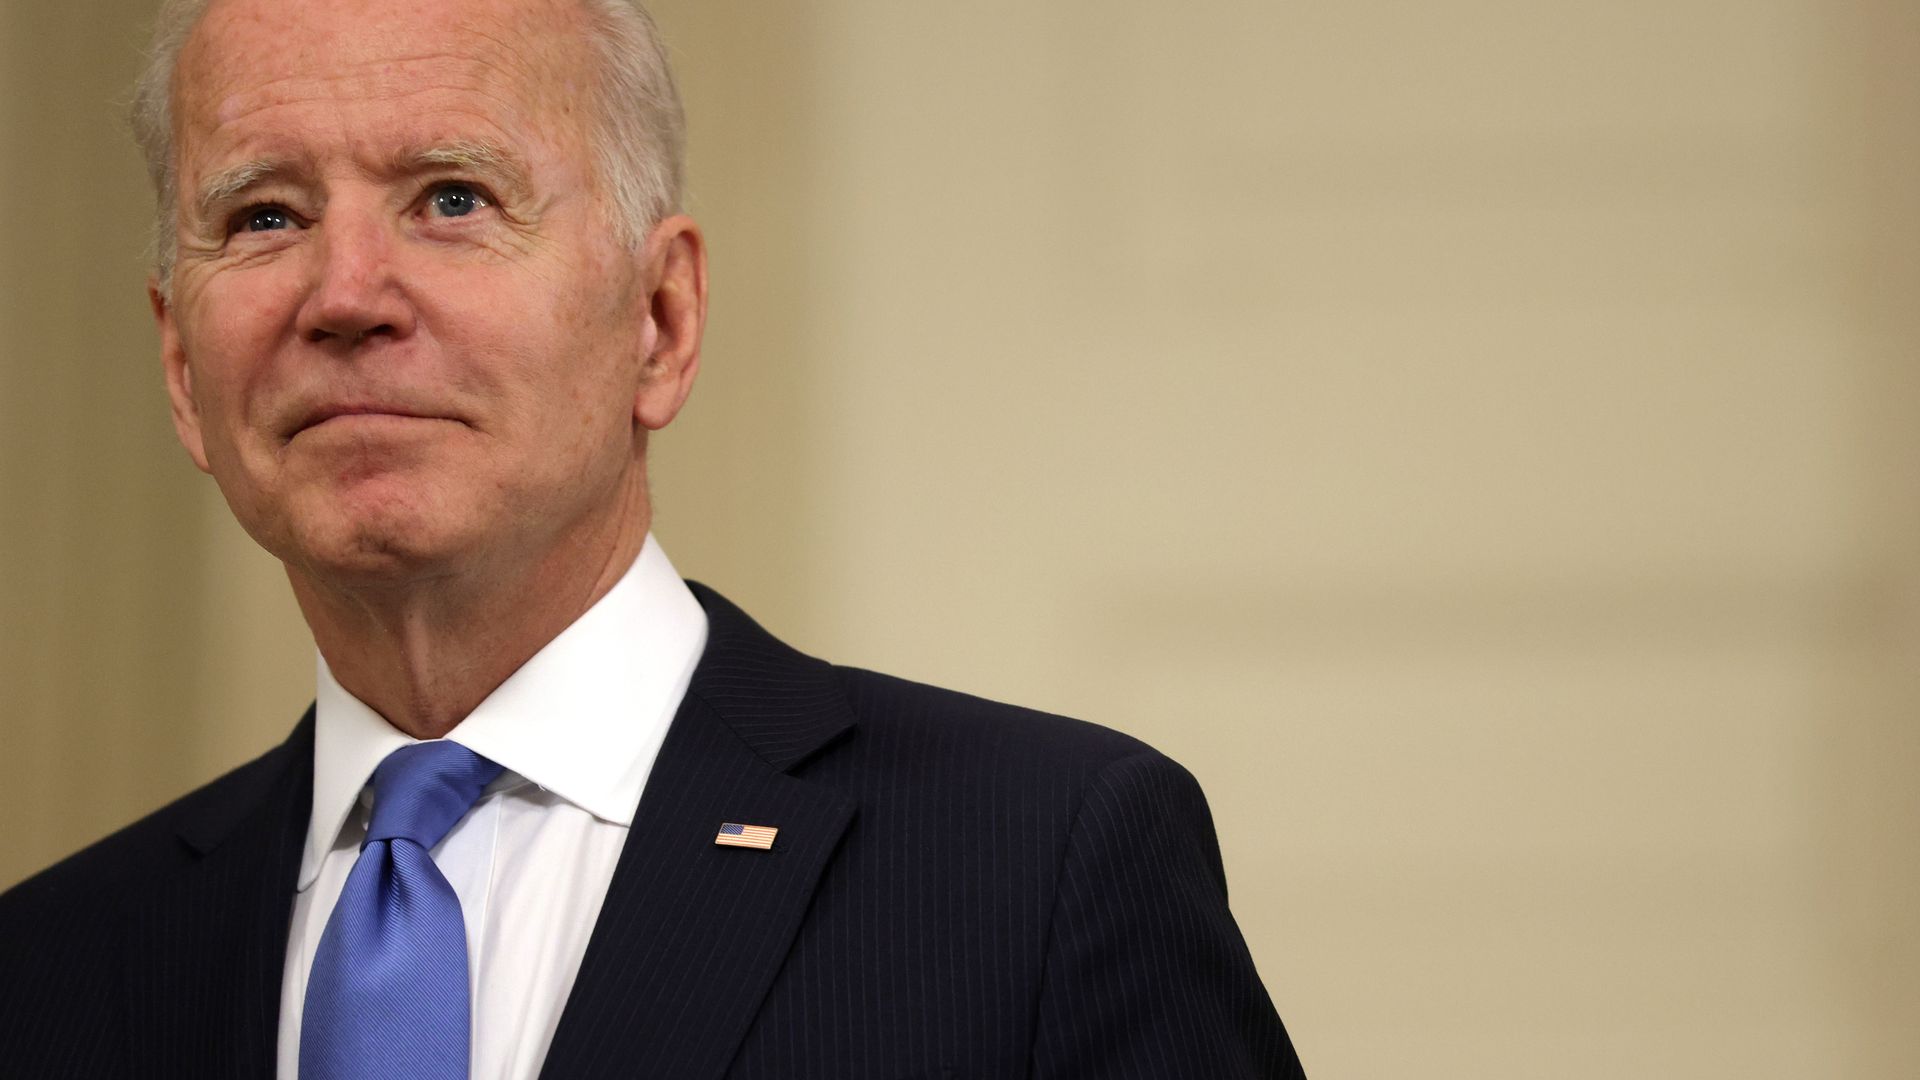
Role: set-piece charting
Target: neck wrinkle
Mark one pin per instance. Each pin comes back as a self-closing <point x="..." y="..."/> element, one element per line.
<point x="424" y="654"/>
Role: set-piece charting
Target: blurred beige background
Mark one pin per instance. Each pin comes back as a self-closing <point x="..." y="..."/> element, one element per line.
<point x="1478" y="438"/>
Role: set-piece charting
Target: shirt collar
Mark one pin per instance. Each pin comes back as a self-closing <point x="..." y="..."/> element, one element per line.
<point x="583" y="717"/>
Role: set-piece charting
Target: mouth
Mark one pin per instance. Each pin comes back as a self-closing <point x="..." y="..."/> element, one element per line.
<point x="343" y="413"/>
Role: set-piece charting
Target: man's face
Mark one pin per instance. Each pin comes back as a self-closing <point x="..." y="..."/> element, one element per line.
<point x="402" y="332"/>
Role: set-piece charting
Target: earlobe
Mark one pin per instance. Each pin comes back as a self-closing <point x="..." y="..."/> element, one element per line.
<point x="179" y="376"/>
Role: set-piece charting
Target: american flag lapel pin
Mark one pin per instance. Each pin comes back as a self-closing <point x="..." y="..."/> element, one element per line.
<point x="732" y="834"/>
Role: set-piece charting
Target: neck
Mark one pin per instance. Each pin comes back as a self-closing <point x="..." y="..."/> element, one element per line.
<point x="425" y="652"/>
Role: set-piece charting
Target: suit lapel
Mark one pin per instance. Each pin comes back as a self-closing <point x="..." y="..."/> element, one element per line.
<point x="206" y="949"/>
<point x="691" y="933"/>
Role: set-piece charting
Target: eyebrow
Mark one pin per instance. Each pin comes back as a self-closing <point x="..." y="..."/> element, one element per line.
<point x="222" y="186"/>
<point x="463" y="154"/>
<point x="505" y="166"/>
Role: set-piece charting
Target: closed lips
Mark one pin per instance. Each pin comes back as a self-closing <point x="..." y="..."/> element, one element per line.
<point x="331" y="412"/>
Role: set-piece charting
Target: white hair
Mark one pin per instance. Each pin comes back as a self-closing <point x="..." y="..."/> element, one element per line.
<point x="639" y="139"/>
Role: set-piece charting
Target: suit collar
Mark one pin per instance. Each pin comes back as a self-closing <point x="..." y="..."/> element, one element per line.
<point x="218" y="812"/>
<point x="207" y="943"/>
<point x="692" y="934"/>
<point x="786" y="706"/>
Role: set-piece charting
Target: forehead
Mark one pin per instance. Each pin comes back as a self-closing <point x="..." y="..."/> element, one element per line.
<point x="260" y="70"/>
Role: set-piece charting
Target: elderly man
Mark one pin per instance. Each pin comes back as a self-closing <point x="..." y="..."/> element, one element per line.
<point x="422" y="295"/>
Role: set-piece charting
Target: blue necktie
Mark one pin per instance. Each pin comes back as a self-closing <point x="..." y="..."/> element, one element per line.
<point x="388" y="994"/>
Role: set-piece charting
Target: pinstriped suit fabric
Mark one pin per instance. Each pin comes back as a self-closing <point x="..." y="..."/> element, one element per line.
<point x="157" y="952"/>
<point x="959" y="889"/>
<point x="1019" y="895"/>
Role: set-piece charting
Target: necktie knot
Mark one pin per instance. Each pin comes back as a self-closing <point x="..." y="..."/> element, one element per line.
<point x="422" y="789"/>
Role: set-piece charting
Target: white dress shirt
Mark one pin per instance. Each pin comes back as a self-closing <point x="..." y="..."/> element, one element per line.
<point x="576" y="729"/>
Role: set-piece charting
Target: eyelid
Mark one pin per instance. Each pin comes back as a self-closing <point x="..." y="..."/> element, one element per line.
<point x="236" y="221"/>
<point x="480" y="190"/>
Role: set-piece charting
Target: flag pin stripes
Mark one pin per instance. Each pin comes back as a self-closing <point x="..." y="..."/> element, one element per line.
<point x="751" y="836"/>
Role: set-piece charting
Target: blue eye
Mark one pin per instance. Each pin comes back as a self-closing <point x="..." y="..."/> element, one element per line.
<point x="456" y="200"/>
<point x="266" y="219"/>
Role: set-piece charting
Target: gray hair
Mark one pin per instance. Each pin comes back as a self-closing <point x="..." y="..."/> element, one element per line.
<point x="639" y="147"/>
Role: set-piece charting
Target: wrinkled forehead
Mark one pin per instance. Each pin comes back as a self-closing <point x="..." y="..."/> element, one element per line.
<point x="521" y="64"/>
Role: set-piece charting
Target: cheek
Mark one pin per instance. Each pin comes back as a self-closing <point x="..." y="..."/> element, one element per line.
<point x="573" y="358"/>
<point x="566" y="386"/>
<point x="232" y="327"/>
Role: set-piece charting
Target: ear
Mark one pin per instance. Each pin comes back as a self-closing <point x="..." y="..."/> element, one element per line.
<point x="675" y="277"/>
<point x="173" y="357"/>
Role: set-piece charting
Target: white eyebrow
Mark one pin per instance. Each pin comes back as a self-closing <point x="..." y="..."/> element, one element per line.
<point x="233" y="180"/>
<point x="506" y="170"/>
<point x="465" y="155"/>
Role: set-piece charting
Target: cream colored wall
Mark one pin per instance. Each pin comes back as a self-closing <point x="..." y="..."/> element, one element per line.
<point x="1476" y="438"/>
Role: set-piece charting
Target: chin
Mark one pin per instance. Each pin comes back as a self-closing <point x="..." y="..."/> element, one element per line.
<point x="378" y="556"/>
<point x="352" y="543"/>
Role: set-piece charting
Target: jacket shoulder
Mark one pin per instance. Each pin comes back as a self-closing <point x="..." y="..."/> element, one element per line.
<point x="65" y="933"/>
<point x="892" y="708"/>
<point x="158" y="842"/>
<point x="789" y="706"/>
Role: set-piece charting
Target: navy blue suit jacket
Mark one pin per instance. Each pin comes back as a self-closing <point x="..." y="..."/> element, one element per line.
<point x="959" y="889"/>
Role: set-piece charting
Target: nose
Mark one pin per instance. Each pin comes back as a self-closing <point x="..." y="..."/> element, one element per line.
<point x="356" y="292"/>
